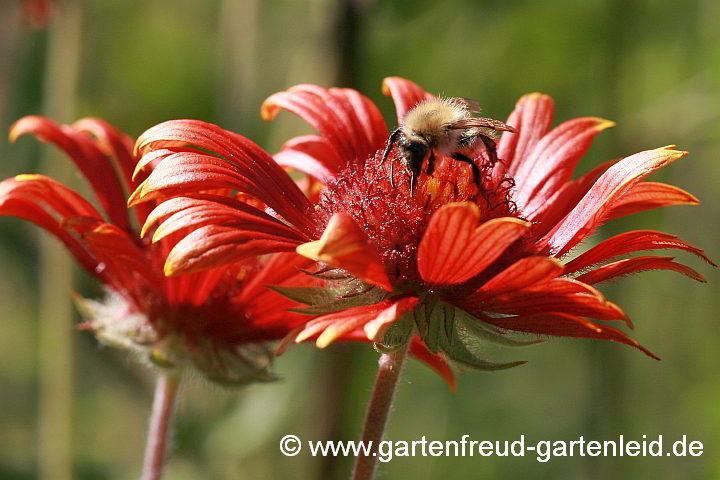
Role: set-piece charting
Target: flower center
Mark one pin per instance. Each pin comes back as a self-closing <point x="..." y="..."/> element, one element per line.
<point x="393" y="218"/>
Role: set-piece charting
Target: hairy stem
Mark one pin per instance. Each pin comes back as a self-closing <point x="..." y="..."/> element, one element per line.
<point x="160" y="418"/>
<point x="389" y="367"/>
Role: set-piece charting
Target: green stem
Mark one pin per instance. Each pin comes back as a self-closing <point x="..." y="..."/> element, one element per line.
<point x="160" y="420"/>
<point x="389" y="367"/>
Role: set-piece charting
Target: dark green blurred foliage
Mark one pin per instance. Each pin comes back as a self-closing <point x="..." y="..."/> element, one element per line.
<point x="651" y="66"/>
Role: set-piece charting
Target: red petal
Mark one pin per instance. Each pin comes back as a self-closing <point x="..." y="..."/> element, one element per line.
<point x="637" y="264"/>
<point x="374" y="325"/>
<point x="248" y="165"/>
<point x="182" y="213"/>
<point x="344" y="245"/>
<point x="345" y="321"/>
<point x="277" y="271"/>
<point x="317" y="147"/>
<point x="454" y="248"/>
<point x="351" y="122"/>
<point x="532" y="117"/>
<point x="302" y="162"/>
<point x="376" y="328"/>
<point x="85" y="154"/>
<point x="524" y="302"/>
<point x="435" y="361"/>
<point x="631" y="242"/>
<point x="113" y="143"/>
<point x="647" y="196"/>
<point x="212" y="246"/>
<point x="47" y="204"/>
<point x="612" y="185"/>
<point x="522" y="274"/>
<point x="551" y="163"/>
<point x="405" y="94"/>
<point x="546" y="214"/>
<point x="110" y="244"/>
<point x="47" y="193"/>
<point x="562" y="325"/>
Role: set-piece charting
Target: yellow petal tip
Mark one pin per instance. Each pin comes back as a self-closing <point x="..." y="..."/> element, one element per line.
<point x="310" y="250"/>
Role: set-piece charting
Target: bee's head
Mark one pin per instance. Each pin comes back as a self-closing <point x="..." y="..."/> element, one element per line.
<point x="413" y="147"/>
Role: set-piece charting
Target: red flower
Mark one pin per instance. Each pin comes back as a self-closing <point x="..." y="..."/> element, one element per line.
<point x="217" y="319"/>
<point x="468" y="260"/>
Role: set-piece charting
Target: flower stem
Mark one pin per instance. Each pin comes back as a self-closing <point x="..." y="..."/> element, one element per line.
<point x="389" y="367"/>
<point x="156" y="449"/>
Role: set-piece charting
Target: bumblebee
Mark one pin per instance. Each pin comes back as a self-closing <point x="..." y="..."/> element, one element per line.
<point x="446" y="126"/>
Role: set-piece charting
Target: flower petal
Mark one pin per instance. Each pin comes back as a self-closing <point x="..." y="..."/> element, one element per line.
<point x="612" y="185"/>
<point x="48" y="204"/>
<point x="113" y="143"/>
<point x="647" y="196"/>
<point x="374" y="326"/>
<point x="637" y="264"/>
<point x="302" y="162"/>
<point x="631" y="242"/>
<point x="454" y="248"/>
<point x="343" y="321"/>
<point x="344" y="245"/>
<point x="552" y="161"/>
<point x="547" y="213"/>
<point x="375" y="329"/>
<point x="182" y="213"/>
<point x="239" y="163"/>
<point x="522" y="274"/>
<point x="352" y="124"/>
<point x="91" y="161"/>
<point x="532" y="117"/>
<point x="405" y="94"/>
<point x="563" y="325"/>
<point x="435" y="361"/>
<point x="523" y="302"/>
<point x="215" y="245"/>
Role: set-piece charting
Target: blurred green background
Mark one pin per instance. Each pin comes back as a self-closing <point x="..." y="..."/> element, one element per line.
<point x="71" y="409"/>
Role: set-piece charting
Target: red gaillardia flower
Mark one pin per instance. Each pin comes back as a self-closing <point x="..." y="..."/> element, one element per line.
<point x="218" y="320"/>
<point x="463" y="256"/>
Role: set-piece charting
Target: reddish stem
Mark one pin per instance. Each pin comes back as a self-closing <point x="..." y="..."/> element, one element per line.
<point x="389" y="367"/>
<point x="160" y="419"/>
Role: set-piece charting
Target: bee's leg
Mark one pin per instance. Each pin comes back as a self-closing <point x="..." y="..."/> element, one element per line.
<point x="392" y="175"/>
<point x="414" y="168"/>
<point x="431" y="163"/>
<point x="475" y="170"/>
<point x="391" y="141"/>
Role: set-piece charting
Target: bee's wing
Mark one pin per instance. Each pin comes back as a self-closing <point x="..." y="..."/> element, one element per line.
<point x="479" y="122"/>
<point x="472" y="105"/>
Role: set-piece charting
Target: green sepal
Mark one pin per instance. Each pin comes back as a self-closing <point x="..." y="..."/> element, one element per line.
<point x="397" y="335"/>
<point x="435" y="320"/>
<point x="309" y="295"/>
<point x="236" y="367"/>
<point x="370" y="297"/>
<point x="469" y="326"/>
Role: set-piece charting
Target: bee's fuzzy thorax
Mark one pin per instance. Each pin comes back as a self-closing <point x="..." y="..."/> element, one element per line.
<point x="431" y="117"/>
